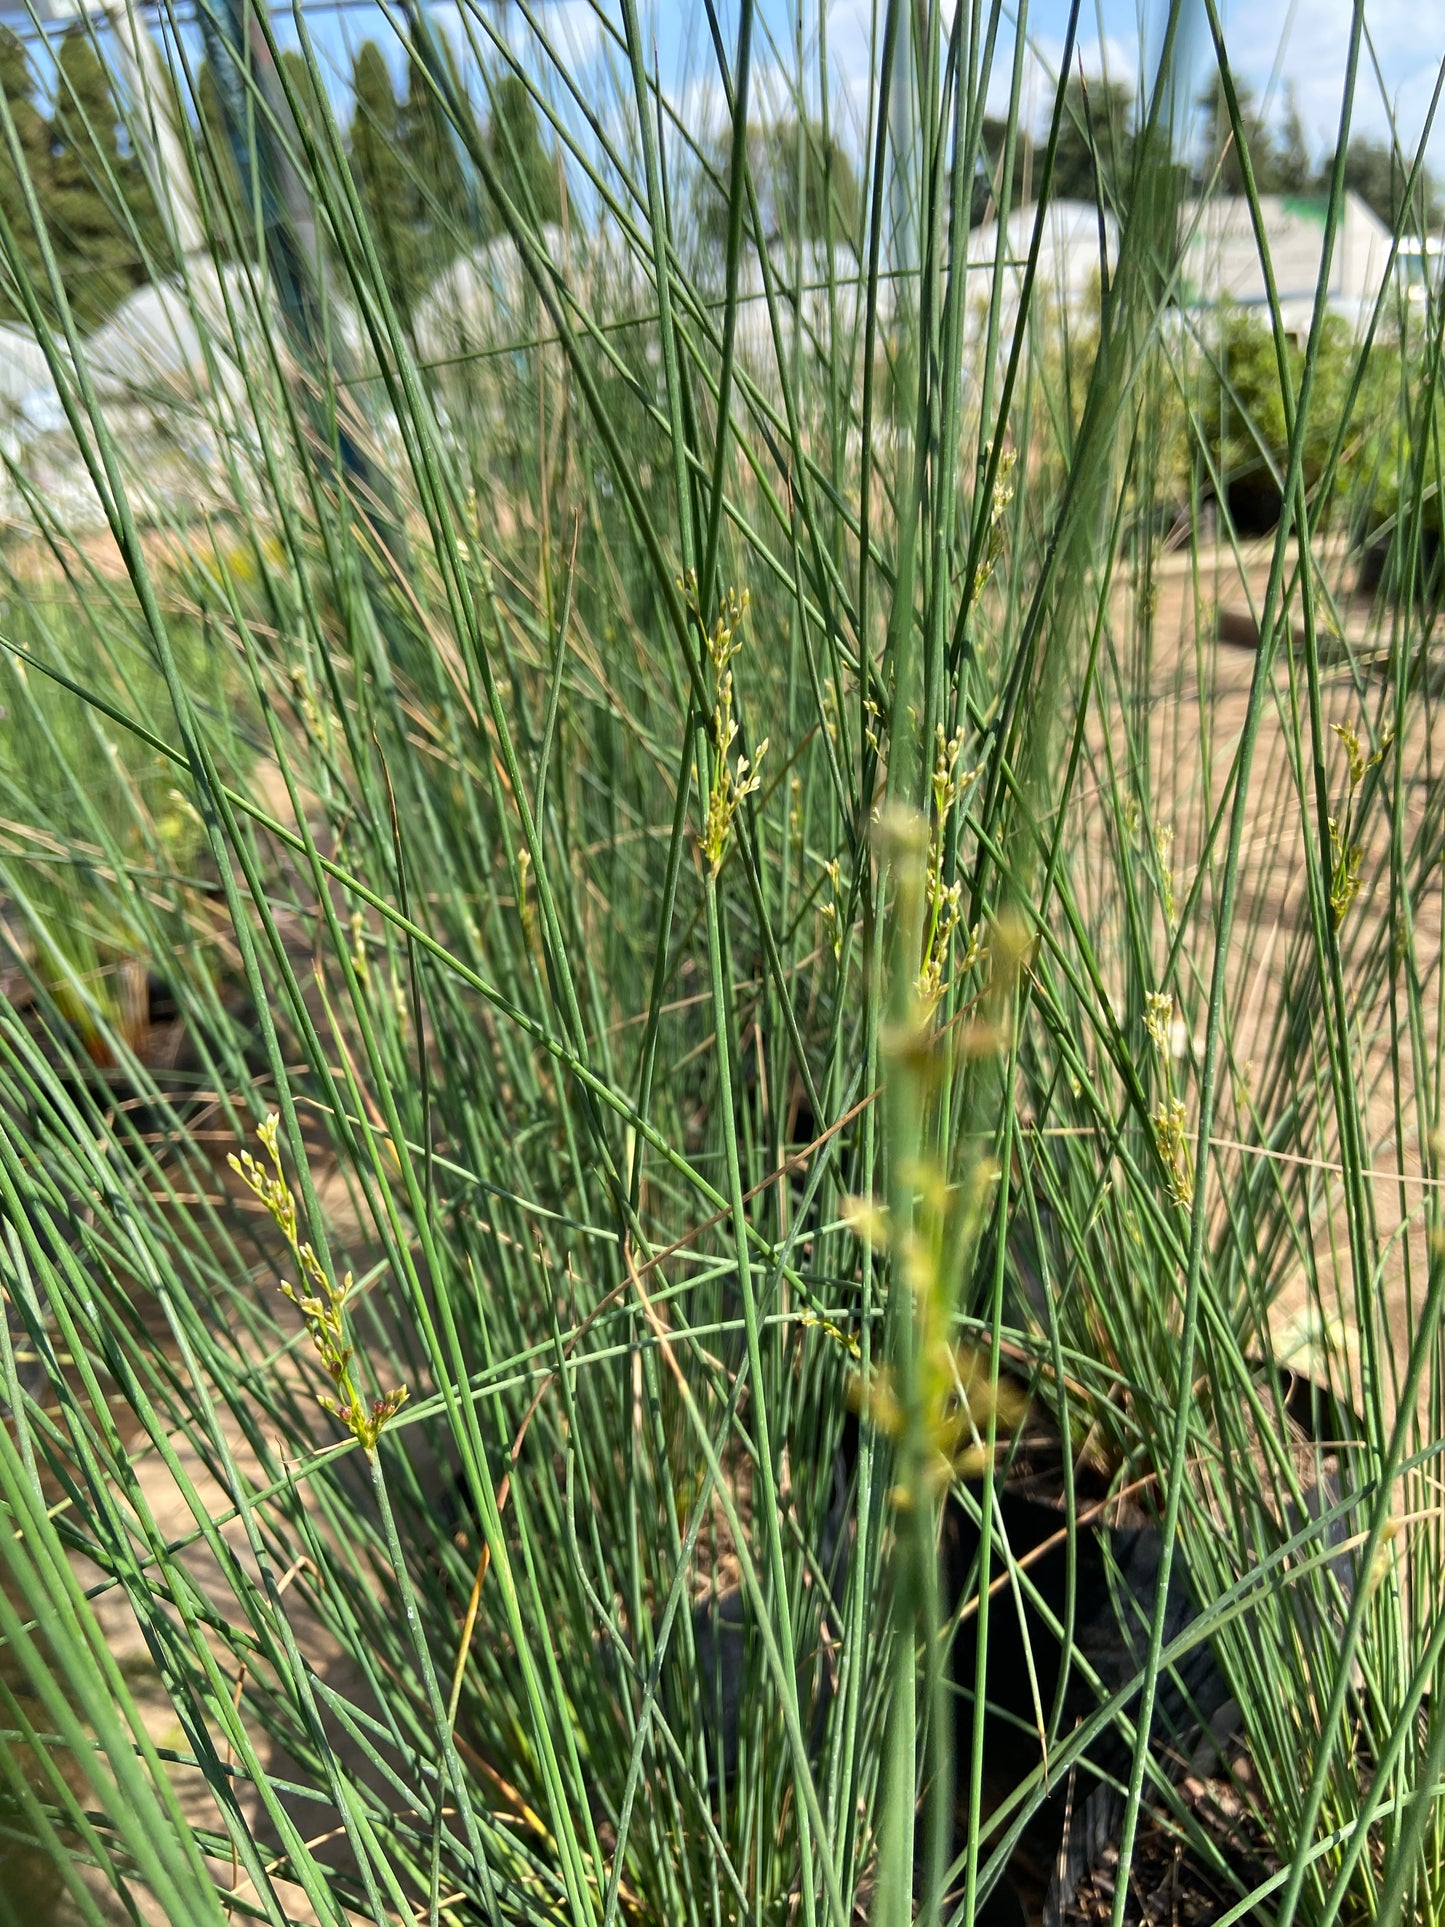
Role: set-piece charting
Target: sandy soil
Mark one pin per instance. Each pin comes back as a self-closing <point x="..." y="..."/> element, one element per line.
<point x="1197" y="703"/>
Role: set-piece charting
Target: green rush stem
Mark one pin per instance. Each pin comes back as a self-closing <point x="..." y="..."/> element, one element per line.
<point x="1177" y="1472"/>
<point x="767" y="1483"/>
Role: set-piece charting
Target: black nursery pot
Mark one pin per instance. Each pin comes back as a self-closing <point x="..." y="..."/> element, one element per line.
<point x="1115" y="1586"/>
<point x="1254" y="501"/>
<point x="1115" y="1591"/>
<point x="1381" y="566"/>
<point x="1100" y="1585"/>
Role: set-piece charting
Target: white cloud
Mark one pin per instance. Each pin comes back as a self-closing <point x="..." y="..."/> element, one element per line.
<point x="1303" y="44"/>
<point x="1309" y="49"/>
<point x="1408" y="37"/>
<point x="574" y="28"/>
<point x="701" y="105"/>
<point x="852" y="61"/>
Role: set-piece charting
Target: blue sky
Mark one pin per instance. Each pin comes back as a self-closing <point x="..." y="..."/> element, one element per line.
<point x="1306" y="45"/>
<point x="1272" y="44"/>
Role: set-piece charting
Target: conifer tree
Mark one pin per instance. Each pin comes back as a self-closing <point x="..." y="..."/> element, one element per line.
<point x="525" y="170"/>
<point x="18" y="83"/>
<point x="830" y="201"/>
<point x="1296" y="172"/>
<point x="437" y="197"/>
<point x="1221" y="150"/>
<point x="378" y="166"/>
<point x="1095" y="154"/>
<point x="303" y="93"/>
<point x="783" y="156"/>
<point x="218" y="164"/>
<point x="97" y="202"/>
<point x="988" y="181"/>
<point x="1375" y="172"/>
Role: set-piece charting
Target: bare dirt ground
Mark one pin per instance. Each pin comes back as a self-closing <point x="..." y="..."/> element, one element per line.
<point x="1198" y="700"/>
<point x="176" y="1515"/>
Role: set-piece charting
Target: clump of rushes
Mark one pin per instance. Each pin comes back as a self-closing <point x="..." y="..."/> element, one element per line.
<point x="319" y="1301"/>
<point x="731" y="782"/>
